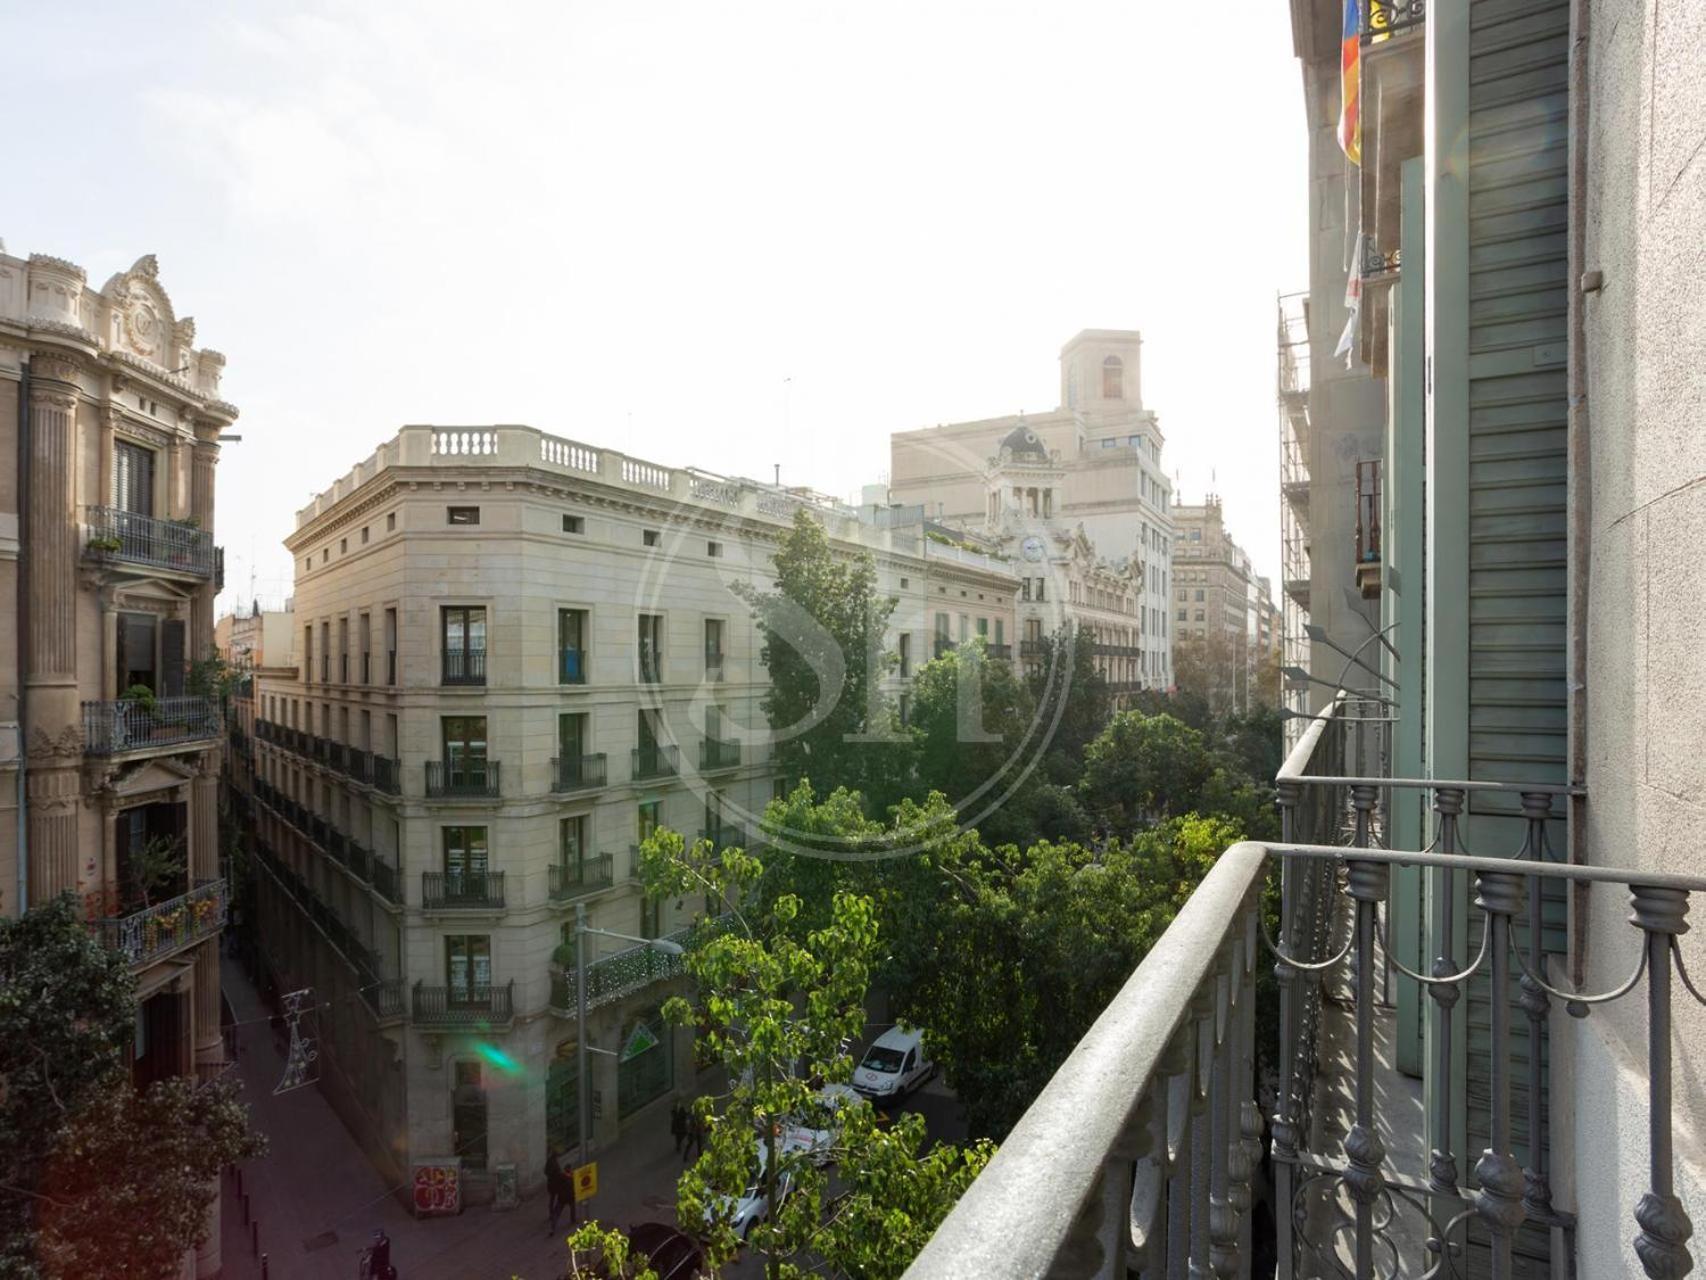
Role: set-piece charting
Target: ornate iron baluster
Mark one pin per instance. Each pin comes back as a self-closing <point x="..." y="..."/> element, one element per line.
<point x="1499" y="895"/>
<point x="1442" y="1163"/>
<point x="1665" y="1229"/>
<point x="1363" y="1149"/>
<point x="1537" y="1192"/>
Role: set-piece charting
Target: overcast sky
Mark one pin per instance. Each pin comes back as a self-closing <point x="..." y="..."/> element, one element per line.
<point x="721" y="235"/>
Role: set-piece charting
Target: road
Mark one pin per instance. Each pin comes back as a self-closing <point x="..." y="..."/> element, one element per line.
<point x="315" y="1198"/>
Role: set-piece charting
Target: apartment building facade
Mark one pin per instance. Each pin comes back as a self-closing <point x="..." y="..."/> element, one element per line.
<point x="107" y="553"/>
<point x="1214" y="600"/>
<point x="516" y="656"/>
<point x="1090" y="471"/>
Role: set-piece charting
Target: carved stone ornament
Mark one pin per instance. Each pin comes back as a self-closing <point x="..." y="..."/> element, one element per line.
<point x="66" y="745"/>
<point x="143" y="327"/>
<point x="55" y="368"/>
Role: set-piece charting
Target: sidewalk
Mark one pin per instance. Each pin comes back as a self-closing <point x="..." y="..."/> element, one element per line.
<point x="317" y="1199"/>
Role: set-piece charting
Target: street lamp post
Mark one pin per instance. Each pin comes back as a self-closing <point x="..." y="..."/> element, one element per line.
<point x="582" y="1048"/>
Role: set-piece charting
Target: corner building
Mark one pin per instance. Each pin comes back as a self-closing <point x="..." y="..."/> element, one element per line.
<point x="515" y="656"/>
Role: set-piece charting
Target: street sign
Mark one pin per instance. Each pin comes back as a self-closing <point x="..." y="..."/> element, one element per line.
<point x="643" y="1038"/>
<point x="586" y="1181"/>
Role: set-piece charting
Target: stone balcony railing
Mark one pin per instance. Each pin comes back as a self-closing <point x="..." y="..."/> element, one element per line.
<point x="1144" y="1154"/>
<point x="512" y="447"/>
<point x="167" y="927"/>
<point x="125" y="725"/>
<point x="134" y="539"/>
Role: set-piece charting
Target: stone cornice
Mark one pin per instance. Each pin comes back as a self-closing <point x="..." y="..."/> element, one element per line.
<point x="57" y="264"/>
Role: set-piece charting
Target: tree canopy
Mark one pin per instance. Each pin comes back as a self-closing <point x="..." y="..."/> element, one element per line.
<point x="98" y="1179"/>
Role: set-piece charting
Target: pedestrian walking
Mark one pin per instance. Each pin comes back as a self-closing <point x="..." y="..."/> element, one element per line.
<point x="696" y="1132"/>
<point x="678" y="1125"/>
<point x="561" y="1189"/>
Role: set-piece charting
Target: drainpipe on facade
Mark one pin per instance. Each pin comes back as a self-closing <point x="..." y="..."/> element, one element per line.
<point x="23" y="633"/>
<point x="1580" y="455"/>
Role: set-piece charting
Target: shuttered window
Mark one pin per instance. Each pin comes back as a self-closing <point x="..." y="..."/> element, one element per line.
<point x="133" y="478"/>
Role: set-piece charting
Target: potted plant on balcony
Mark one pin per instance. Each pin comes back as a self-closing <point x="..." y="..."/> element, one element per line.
<point x="181" y="551"/>
<point x="103" y="546"/>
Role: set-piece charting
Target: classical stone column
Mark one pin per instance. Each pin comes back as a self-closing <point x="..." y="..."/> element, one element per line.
<point x="50" y="638"/>
<point x="204" y="459"/>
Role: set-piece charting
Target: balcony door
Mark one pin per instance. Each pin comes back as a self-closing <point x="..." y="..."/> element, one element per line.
<point x="468" y="968"/>
<point x="465" y="751"/>
<point x="150" y="653"/>
<point x="133" y="478"/>
<point x="571" y="646"/>
<point x="651" y="648"/>
<point x="468" y="1116"/>
<point x="465" y="864"/>
<point x="574" y="848"/>
<point x="464" y="645"/>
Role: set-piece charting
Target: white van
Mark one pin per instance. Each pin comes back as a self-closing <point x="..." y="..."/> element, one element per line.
<point x="894" y="1065"/>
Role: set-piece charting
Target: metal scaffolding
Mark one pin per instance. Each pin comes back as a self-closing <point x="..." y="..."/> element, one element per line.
<point x="1292" y="387"/>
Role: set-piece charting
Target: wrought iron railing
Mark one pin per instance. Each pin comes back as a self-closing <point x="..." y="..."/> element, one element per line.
<point x="586" y="875"/>
<point x="112" y="728"/>
<point x="1143" y="1152"/>
<point x="462" y="779"/>
<point x="714" y="754"/>
<point x="463" y="1008"/>
<point x="383" y="878"/>
<point x="635" y="968"/>
<point x="464" y="666"/>
<point x="655" y="762"/>
<point x="159" y="544"/>
<point x="578" y="773"/>
<point x="387" y="775"/>
<point x="384" y="996"/>
<point x="462" y="890"/>
<point x="156" y="932"/>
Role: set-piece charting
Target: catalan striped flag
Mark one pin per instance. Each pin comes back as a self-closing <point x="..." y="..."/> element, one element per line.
<point x="1350" y="82"/>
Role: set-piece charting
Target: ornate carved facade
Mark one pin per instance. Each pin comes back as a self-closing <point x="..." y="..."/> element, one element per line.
<point x="108" y="570"/>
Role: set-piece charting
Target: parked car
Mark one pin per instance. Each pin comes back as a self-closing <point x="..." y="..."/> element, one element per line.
<point x="752" y="1205"/>
<point x="817" y="1129"/>
<point x="894" y="1065"/>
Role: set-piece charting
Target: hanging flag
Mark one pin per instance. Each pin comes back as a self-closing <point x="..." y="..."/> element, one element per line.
<point x="1350" y="82"/>
<point x="1353" y="300"/>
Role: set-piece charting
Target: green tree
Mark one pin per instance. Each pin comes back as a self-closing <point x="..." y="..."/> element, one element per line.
<point x="1143" y="767"/>
<point x="778" y="1013"/>
<point x="975" y="728"/>
<point x="1026" y="948"/>
<point x="96" y="1179"/>
<point x="822" y="630"/>
<point x="1071" y="699"/>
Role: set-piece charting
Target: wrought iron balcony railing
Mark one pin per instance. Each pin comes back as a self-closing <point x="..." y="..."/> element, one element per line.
<point x="144" y="540"/>
<point x="462" y="890"/>
<point x="655" y="762"/>
<point x="156" y="932"/>
<point x="358" y="766"/>
<point x="387" y="775"/>
<point x="464" y="666"/>
<point x="384" y="996"/>
<point x="1143" y="1153"/>
<point x="715" y="754"/>
<point x="383" y="878"/>
<point x="114" y="728"/>
<point x="462" y="779"/>
<point x="463" y="1008"/>
<point x="578" y="773"/>
<point x="574" y="879"/>
<point x="622" y="973"/>
<point x="1001" y="651"/>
